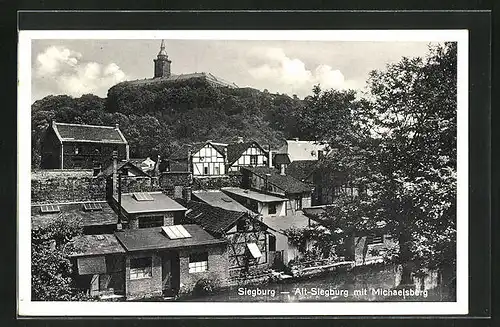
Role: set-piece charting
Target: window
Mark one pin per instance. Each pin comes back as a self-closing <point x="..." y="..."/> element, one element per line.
<point x="253" y="160"/>
<point x="198" y="262"/>
<point x="216" y="170"/>
<point x="241" y="226"/>
<point x="141" y="268"/>
<point x="271" y="208"/>
<point x="375" y="238"/>
<point x="92" y="206"/>
<point x="77" y="150"/>
<point x="272" y="242"/>
<point x="150" y="221"/>
<point x="298" y="203"/>
<point x="143" y="197"/>
<point x="205" y="170"/>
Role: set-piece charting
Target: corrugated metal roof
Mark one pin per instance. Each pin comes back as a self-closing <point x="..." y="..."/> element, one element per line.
<point x="155" y="239"/>
<point x="88" y="133"/>
<point x="160" y="203"/>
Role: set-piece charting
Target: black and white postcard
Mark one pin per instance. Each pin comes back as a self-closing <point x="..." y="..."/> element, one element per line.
<point x="215" y="173"/>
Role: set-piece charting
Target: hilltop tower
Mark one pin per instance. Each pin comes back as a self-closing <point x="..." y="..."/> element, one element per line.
<point x="162" y="63"/>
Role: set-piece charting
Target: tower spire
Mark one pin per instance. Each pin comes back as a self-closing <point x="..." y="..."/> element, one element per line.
<point x="163" y="52"/>
<point x="162" y="63"/>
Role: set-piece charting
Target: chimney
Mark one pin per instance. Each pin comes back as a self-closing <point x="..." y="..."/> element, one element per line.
<point x="186" y="193"/>
<point x="115" y="173"/>
<point x="178" y="192"/>
<point x="156" y="168"/>
<point x="240" y="139"/>
<point x="296" y="139"/>
<point x="282" y="169"/>
<point x="269" y="156"/>
<point x="189" y="158"/>
<point x="117" y="126"/>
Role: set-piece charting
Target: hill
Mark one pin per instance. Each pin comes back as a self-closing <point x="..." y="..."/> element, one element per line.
<point x="156" y="118"/>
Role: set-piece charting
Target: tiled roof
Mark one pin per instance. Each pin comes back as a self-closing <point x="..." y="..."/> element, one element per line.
<point x="287" y="183"/>
<point x="75" y="212"/>
<point x="182" y="152"/>
<point x="155" y="239"/>
<point x="235" y="150"/>
<point x="219" y="199"/>
<point x="160" y="203"/>
<point x="88" y="133"/>
<point x="212" y="219"/>
<point x="301" y="169"/>
<point x="281" y="158"/>
<point x="85" y="245"/>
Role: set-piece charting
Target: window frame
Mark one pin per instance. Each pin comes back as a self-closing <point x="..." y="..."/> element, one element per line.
<point x="256" y="157"/>
<point x="272" y="205"/>
<point x="150" y="219"/>
<point x="141" y="271"/>
<point x="198" y="262"/>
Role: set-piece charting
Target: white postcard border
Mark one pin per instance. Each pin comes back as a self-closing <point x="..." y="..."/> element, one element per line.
<point x="26" y="307"/>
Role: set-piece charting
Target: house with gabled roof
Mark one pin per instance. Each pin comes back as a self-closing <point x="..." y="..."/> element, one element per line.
<point x="271" y="181"/>
<point x="202" y="159"/>
<point x="147" y="262"/>
<point x="246" y="154"/>
<point x="249" y="246"/>
<point x="76" y="146"/>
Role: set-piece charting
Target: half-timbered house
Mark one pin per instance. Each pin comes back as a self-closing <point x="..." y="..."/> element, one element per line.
<point x="248" y="238"/>
<point x="202" y="159"/>
<point x="271" y="181"/>
<point x="246" y="154"/>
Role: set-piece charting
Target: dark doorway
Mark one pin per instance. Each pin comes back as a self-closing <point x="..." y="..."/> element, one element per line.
<point x="170" y="273"/>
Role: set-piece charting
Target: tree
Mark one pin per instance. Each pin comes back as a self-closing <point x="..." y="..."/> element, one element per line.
<point x="409" y="160"/>
<point x="51" y="269"/>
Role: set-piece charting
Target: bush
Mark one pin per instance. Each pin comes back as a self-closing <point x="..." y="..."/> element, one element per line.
<point x="206" y="286"/>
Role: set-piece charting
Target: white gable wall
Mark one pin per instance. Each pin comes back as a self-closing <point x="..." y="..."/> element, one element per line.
<point x="208" y="162"/>
<point x="245" y="158"/>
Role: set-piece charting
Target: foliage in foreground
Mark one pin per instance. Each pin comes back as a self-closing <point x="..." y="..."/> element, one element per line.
<point x="51" y="270"/>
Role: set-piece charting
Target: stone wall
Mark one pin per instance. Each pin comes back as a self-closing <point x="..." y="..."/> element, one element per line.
<point x="371" y="255"/>
<point x="49" y="186"/>
<point x="218" y="264"/>
<point x="216" y="183"/>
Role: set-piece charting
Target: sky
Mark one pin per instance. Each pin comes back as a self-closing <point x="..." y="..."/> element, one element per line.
<point x="80" y="66"/>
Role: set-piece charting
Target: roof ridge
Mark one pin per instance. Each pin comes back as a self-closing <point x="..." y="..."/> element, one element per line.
<point x="72" y="124"/>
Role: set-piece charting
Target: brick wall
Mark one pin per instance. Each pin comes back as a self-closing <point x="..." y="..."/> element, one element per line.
<point x="48" y="186"/>
<point x="218" y="264"/>
<point x="145" y="287"/>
